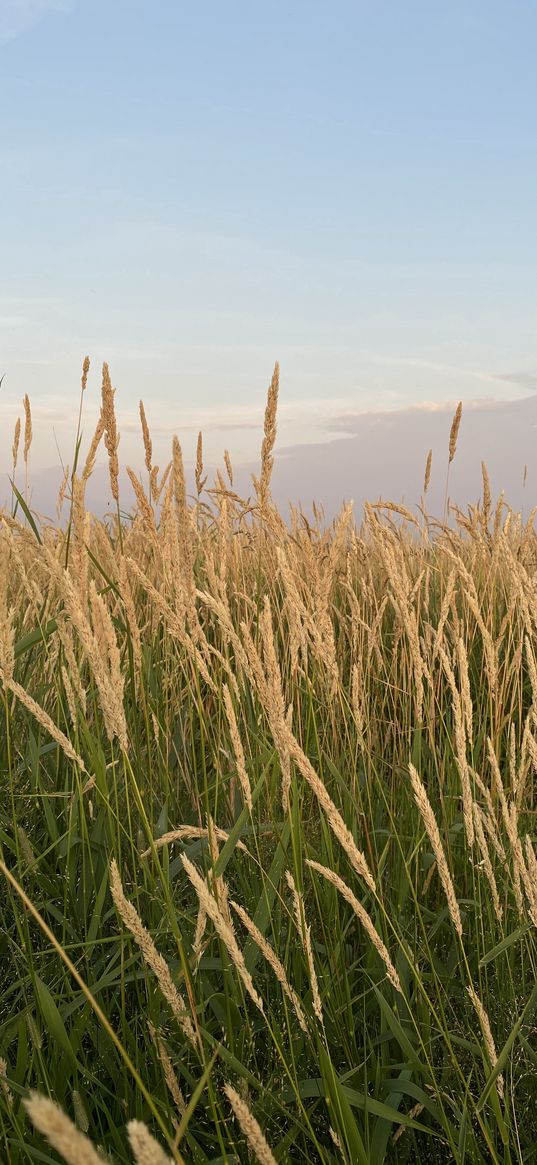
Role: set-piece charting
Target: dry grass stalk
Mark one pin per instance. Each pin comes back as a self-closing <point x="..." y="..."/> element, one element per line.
<point x="65" y="635"/>
<point x="79" y="530"/>
<point x="454" y="432"/>
<point x="269" y="438"/>
<point x="274" y="962"/>
<point x="200" y="479"/>
<point x="70" y="696"/>
<point x="92" y="452"/>
<point x="466" y="696"/>
<point x="187" y="833"/>
<point x="228" y="465"/>
<point x="45" y="721"/>
<point x="153" y="484"/>
<point x="145" y="1149"/>
<point x="305" y="933"/>
<point x="148" y="444"/>
<point x="334" y="818"/>
<point x="217" y="881"/>
<point x="111" y="436"/>
<point x="144" y="505"/>
<point x="510" y="821"/>
<point x="357" y="699"/>
<point x="130" y="612"/>
<point x="151" y="955"/>
<point x="431" y="827"/>
<point x="486" y="862"/>
<point x="174" y="624"/>
<point x="240" y="762"/>
<point x="61" y="1133"/>
<point x="170" y="1077"/>
<point x="488" y="1039"/>
<point x="28" y="432"/>
<point x="414" y="1112"/>
<point x="62" y="491"/>
<point x="487" y="497"/>
<point x="183" y="517"/>
<point x="460" y="748"/>
<point x="7" y="629"/>
<point x="363" y="918"/>
<point x="223" y="929"/>
<point x="396" y="508"/>
<point x="111" y="679"/>
<point x="16" y="439"/>
<point x="250" y="1127"/>
<point x="531" y="862"/>
<point x="427" y="477"/>
<point x="445" y="608"/>
<point x="201" y="927"/>
<point x="85" y="372"/>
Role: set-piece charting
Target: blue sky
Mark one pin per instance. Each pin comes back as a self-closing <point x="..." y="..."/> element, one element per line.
<point x="194" y="190"/>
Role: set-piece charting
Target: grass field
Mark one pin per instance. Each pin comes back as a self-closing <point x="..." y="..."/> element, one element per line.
<point x="268" y="888"/>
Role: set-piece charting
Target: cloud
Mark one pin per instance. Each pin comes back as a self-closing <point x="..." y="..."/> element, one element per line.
<point x="18" y="16"/>
<point x="524" y="379"/>
<point x="350" y="420"/>
<point x="180" y="427"/>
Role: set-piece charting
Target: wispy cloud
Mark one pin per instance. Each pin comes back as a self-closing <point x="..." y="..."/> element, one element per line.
<point x="524" y="379"/>
<point x="18" y="16"/>
<point x="350" y="418"/>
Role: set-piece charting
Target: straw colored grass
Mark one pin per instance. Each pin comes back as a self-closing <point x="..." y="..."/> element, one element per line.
<point x="310" y="747"/>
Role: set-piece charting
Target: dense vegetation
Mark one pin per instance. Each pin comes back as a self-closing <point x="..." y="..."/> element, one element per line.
<point x="269" y="885"/>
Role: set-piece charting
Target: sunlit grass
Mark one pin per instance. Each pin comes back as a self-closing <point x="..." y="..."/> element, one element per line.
<point x="333" y="958"/>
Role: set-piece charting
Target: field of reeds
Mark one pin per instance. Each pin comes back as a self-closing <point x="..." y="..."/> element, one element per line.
<point x="268" y="879"/>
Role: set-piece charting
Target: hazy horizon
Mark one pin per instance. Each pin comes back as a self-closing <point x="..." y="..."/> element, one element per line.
<point x="376" y="455"/>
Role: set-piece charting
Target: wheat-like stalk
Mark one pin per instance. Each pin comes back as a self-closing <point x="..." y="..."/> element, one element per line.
<point x="240" y="762"/>
<point x="257" y="1142"/>
<point x="431" y="826"/>
<point x="45" y="721"/>
<point x="486" y="862"/>
<point x="363" y="917"/>
<point x="28" y="429"/>
<point x="170" y="1077"/>
<point x="334" y="818"/>
<point x="223" y="929"/>
<point x="187" y="833"/>
<point x="305" y="933"/>
<point x="454" y="432"/>
<point x="428" y="465"/>
<point x="148" y="444"/>
<point x="487" y="1036"/>
<point x="269" y="438"/>
<point x="151" y="955"/>
<point x="145" y="1149"/>
<point x="111" y="435"/>
<point x="15" y="446"/>
<point x="273" y="961"/>
<point x="72" y="1144"/>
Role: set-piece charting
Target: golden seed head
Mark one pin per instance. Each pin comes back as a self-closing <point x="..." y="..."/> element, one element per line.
<point x="428" y="471"/>
<point x="148" y="444"/>
<point x="27" y="426"/>
<point x="85" y="370"/>
<point x="16" y="439"/>
<point x="454" y="432"/>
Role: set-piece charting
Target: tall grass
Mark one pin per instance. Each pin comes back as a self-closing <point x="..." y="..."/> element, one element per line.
<point x="268" y="887"/>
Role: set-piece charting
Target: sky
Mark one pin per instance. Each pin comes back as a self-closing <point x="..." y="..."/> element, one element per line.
<point x="192" y="191"/>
